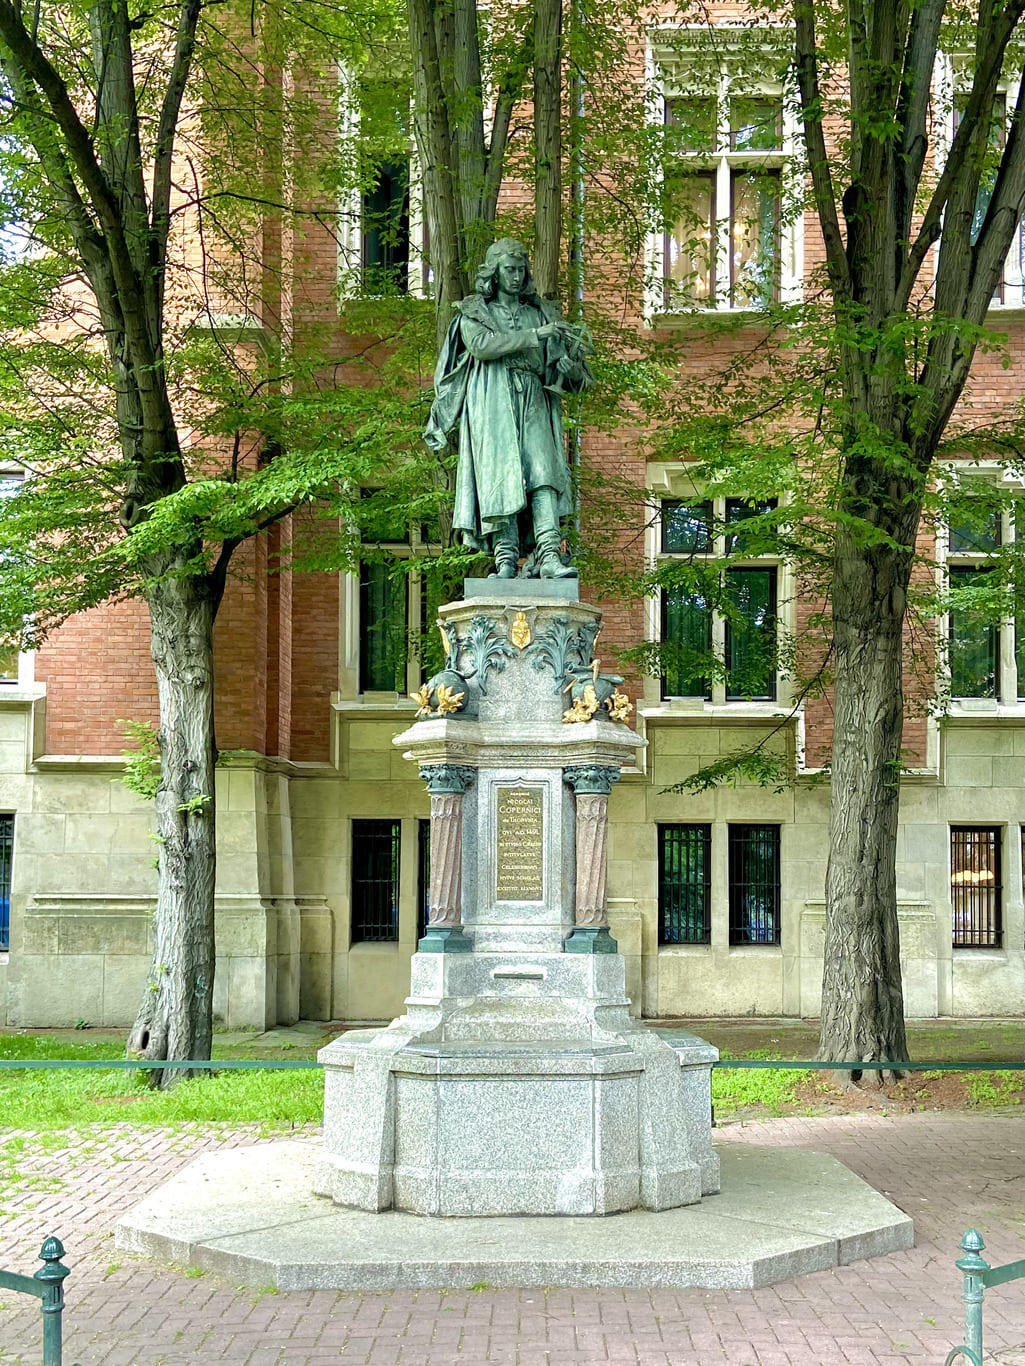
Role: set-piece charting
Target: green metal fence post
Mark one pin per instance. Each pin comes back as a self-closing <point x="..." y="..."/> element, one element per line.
<point x="52" y="1274"/>
<point x="974" y="1269"/>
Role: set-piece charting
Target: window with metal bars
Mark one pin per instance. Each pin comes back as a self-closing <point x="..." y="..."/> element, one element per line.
<point x="684" y="884"/>
<point x="6" y="858"/>
<point x="975" y="887"/>
<point x="375" y="881"/>
<point x="754" y="884"/>
<point x="423" y="878"/>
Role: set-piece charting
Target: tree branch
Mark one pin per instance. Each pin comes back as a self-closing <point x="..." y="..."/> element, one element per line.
<point x="815" y="143"/>
<point x="164" y="148"/>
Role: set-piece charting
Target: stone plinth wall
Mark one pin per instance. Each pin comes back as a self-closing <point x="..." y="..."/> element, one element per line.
<point x="285" y="839"/>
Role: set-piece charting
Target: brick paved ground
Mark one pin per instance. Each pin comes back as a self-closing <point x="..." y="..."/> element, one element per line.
<point x="949" y="1171"/>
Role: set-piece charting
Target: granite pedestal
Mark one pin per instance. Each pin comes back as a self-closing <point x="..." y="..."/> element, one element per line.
<point x="516" y="1083"/>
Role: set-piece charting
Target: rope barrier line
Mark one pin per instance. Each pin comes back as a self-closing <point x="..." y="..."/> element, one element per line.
<point x="279" y="1065"/>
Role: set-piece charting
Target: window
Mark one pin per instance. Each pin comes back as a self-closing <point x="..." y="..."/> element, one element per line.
<point x="729" y="613"/>
<point x="382" y="249"/>
<point x="423" y="878"/>
<point x="6" y="859"/>
<point x="383" y="642"/>
<point x="10" y="482"/>
<point x="375" y="881"/>
<point x="985" y="642"/>
<point x="754" y="884"/>
<point x="975" y="888"/>
<point x="399" y="647"/>
<point x="684" y="884"/>
<point x="729" y="143"/>
<point x="1010" y="291"/>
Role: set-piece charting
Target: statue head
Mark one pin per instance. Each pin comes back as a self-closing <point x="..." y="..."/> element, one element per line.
<point x="504" y="249"/>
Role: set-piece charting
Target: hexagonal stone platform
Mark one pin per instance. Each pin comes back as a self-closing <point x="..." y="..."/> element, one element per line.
<point x="248" y="1214"/>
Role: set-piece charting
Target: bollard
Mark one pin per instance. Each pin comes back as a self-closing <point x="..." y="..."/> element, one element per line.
<point x="52" y="1274"/>
<point x="978" y="1277"/>
<point x="47" y="1285"/>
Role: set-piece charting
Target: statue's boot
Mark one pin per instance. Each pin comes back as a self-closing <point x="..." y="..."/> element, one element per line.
<point x="548" y="537"/>
<point x="507" y="550"/>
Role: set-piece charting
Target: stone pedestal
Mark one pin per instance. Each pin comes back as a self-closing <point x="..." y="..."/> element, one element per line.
<point x="516" y="1082"/>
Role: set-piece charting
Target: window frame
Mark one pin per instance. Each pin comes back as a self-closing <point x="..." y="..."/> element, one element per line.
<point x="361" y="928"/>
<point x="1009" y="680"/>
<point x="351" y="238"/>
<point x="951" y="80"/>
<point x="23" y="674"/>
<point x="734" y="894"/>
<point x="991" y="922"/>
<point x="679" y="67"/>
<point x="718" y="545"/>
<point x="416" y="545"/>
<point x="703" y="831"/>
<point x="7" y="823"/>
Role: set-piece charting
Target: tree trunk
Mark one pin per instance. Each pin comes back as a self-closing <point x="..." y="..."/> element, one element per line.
<point x="862" y="998"/>
<point x="548" y="145"/>
<point x="175" y="1019"/>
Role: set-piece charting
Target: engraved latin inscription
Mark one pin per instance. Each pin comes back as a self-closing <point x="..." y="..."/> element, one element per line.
<point x="520" y="874"/>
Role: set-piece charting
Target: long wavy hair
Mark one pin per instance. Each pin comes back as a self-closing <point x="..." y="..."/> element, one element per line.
<point x="486" y="283"/>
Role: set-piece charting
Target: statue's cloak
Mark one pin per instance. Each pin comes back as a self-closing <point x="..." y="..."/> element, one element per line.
<point x="475" y="406"/>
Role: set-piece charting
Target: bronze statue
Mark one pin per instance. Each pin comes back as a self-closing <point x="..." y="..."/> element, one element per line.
<point x="504" y="366"/>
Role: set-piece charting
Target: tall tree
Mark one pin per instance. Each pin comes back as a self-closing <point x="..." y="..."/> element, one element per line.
<point x="905" y="346"/>
<point x="123" y="127"/>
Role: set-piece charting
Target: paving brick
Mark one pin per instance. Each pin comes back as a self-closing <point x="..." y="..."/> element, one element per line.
<point x="902" y="1308"/>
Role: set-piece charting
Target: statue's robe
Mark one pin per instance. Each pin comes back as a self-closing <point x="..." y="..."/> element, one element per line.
<point x="490" y="396"/>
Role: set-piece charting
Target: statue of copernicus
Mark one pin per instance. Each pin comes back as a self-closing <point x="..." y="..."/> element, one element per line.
<point x="503" y="367"/>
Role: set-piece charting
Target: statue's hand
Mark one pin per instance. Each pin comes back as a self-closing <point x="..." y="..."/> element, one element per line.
<point x="570" y="369"/>
<point x="548" y="330"/>
<point x="436" y="439"/>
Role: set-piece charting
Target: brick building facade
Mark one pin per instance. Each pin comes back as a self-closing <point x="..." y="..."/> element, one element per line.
<point x="716" y="899"/>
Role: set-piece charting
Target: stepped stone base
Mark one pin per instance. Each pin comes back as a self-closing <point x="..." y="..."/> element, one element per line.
<point x="248" y="1214"/>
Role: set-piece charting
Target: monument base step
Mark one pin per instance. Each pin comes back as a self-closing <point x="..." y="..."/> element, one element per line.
<point x="248" y="1214"/>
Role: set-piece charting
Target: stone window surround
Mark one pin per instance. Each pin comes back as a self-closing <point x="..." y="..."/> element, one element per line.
<point x="675" y="482"/>
<point x="9" y="473"/>
<point x="349" y="236"/>
<point x="719" y="939"/>
<point x="671" y="49"/>
<point x="1006" y="702"/>
<point x="951" y="78"/>
<point x="349" y="689"/>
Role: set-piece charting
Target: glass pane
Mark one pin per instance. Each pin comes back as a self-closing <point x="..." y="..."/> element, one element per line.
<point x="423" y="878"/>
<point x="382" y="610"/>
<point x="754" y="884"/>
<point x="751" y="633"/>
<point x="694" y="119"/>
<point x="436" y="588"/>
<point x="690" y="254"/>
<point x="687" y="628"/>
<point x="386" y="230"/>
<point x="973" y="643"/>
<point x="8" y="663"/>
<point x="975" y="887"/>
<point x="381" y="520"/>
<point x="754" y="236"/>
<point x="739" y="510"/>
<point x="756" y="124"/>
<point x="980" y="532"/>
<point x="6" y="854"/>
<point x="686" y="527"/>
<point x="684" y="884"/>
<point x="375" y="881"/>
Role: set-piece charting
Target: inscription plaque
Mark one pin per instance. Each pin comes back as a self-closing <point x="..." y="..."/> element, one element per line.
<point x="520" y="841"/>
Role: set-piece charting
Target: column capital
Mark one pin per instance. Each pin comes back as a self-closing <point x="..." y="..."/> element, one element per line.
<point x="447" y="777"/>
<point x="591" y="778"/>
